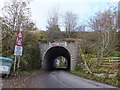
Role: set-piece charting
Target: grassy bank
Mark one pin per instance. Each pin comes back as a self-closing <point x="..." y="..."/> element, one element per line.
<point x="103" y="79"/>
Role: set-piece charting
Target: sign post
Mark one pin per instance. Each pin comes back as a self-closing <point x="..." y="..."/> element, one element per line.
<point x="14" y="64"/>
<point x="18" y="65"/>
<point x="18" y="49"/>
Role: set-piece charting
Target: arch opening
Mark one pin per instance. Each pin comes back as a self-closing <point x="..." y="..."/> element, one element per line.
<point x="53" y="54"/>
<point x="60" y="63"/>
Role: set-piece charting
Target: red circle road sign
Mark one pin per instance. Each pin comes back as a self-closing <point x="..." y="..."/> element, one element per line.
<point x="19" y="39"/>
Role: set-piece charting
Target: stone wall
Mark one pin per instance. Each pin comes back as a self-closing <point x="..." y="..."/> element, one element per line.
<point x="71" y="47"/>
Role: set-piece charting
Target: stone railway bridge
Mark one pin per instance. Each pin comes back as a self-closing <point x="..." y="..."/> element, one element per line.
<point x="50" y="51"/>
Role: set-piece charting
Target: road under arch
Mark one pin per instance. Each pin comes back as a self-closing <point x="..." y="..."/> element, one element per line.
<point x="52" y="54"/>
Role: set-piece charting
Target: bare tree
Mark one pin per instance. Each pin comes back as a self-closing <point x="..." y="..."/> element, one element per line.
<point x="53" y="18"/>
<point x="70" y="22"/>
<point x="118" y="18"/>
<point x="104" y="26"/>
<point x="16" y="14"/>
<point x="53" y="31"/>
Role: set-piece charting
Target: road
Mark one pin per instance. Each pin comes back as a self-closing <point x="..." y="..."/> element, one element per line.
<point x="60" y="79"/>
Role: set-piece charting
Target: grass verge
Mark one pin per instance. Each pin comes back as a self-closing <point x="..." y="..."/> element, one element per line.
<point x="103" y="79"/>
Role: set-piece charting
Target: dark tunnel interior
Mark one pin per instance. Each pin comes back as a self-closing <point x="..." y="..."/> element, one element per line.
<point x="52" y="54"/>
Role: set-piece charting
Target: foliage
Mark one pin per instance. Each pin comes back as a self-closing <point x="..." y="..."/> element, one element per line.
<point x="31" y="54"/>
<point x="8" y="44"/>
<point x="54" y="33"/>
<point x="69" y="40"/>
<point x="89" y="56"/>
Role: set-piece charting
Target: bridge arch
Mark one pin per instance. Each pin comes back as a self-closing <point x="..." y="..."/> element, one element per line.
<point x="54" y="52"/>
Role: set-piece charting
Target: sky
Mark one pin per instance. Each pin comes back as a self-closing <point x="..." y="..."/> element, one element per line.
<point x="83" y="8"/>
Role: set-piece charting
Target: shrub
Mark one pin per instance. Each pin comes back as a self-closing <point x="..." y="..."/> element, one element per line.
<point x="69" y="40"/>
<point x="89" y="56"/>
<point x="31" y="58"/>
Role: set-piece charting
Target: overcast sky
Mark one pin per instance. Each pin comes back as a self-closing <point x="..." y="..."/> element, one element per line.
<point x="83" y="8"/>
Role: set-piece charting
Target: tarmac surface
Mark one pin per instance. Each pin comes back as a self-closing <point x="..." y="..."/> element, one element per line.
<point x="53" y="79"/>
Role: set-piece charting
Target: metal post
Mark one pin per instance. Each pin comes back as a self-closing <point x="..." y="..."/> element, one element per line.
<point x="18" y="65"/>
<point x="14" y="63"/>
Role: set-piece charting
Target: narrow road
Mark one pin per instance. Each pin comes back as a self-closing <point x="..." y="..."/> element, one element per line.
<point x="58" y="79"/>
<point x="61" y="79"/>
